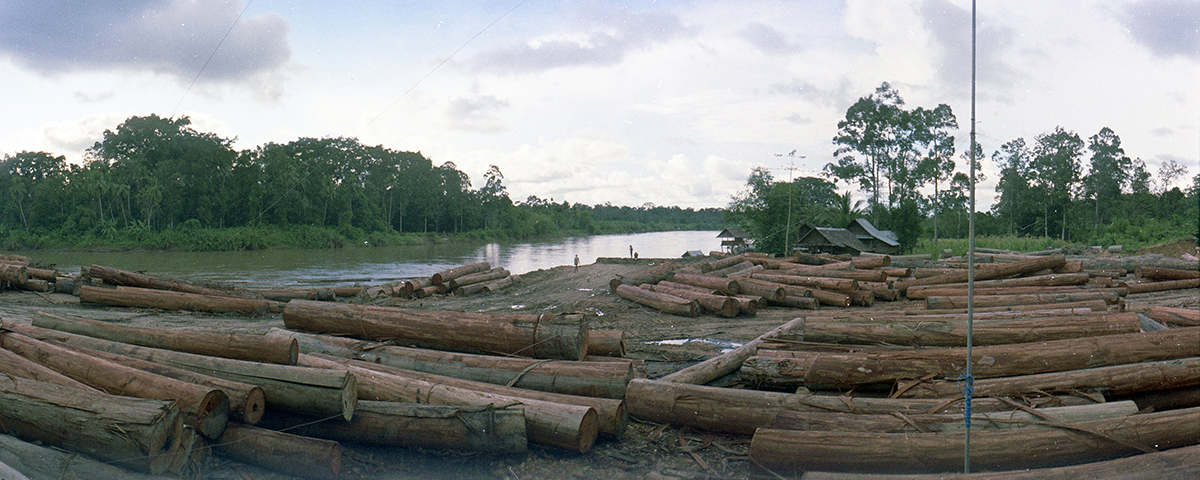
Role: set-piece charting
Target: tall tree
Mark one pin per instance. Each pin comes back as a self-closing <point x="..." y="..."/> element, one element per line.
<point x="1108" y="174"/>
<point x="1055" y="168"/>
<point x="870" y="141"/>
<point x="1013" y="159"/>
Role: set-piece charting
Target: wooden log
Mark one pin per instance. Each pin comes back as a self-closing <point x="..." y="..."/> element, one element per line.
<point x="807" y="303"/>
<point x="741" y="411"/>
<point x="114" y="276"/>
<point x="246" y="402"/>
<point x="747" y="305"/>
<point x="543" y="336"/>
<point x="1175" y="316"/>
<point x="735" y="270"/>
<point x="41" y="462"/>
<point x="731" y="261"/>
<point x="1112" y="380"/>
<point x="1092" y="305"/>
<point x="881" y="290"/>
<point x="34" y="285"/>
<point x="476" y="429"/>
<point x="205" y="408"/>
<point x="988" y="272"/>
<point x="770" y="291"/>
<point x="281" y="452"/>
<point x="938" y="302"/>
<point x="712" y="304"/>
<point x="785" y="451"/>
<point x="594" y="379"/>
<point x="1132" y="263"/>
<point x="810" y="259"/>
<point x="285" y="294"/>
<point x="427" y="291"/>
<point x="844" y="370"/>
<point x="949" y="333"/>
<point x="659" y="301"/>
<point x="817" y="282"/>
<point x="1161" y="286"/>
<point x="497" y="285"/>
<point x="724" y="285"/>
<point x="652" y="275"/>
<point x="308" y="391"/>
<point x="463" y="270"/>
<point x="1173" y="463"/>
<point x="610" y="343"/>
<point x="417" y="284"/>
<point x="17" y="259"/>
<point x="926" y="291"/>
<point x="1059" y="279"/>
<point x="82" y="421"/>
<point x="947" y="422"/>
<point x="18" y="366"/>
<point x="14" y="274"/>
<point x="1159" y="273"/>
<point x="859" y="275"/>
<point x="168" y="300"/>
<point x="864" y="298"/>
<point x="718" y="366"/>
<point x="565" y="426"/>
<point x="254" y="348"/>
<point x="481" y="277"/>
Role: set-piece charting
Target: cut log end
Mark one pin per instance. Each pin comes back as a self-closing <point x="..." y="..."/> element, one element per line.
<point x="256" y="404"/>
<point x="213" y="414"/>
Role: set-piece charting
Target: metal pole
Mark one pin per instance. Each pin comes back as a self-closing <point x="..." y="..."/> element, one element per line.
<point x="969" y="380"/>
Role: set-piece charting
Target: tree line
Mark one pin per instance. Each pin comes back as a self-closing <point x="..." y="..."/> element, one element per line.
<point x="904" y="161"/>
<point x="153" y="173"/>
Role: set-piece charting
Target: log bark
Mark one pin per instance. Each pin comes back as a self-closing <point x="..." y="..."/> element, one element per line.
<point x="460" y="271"/>
<point x="609" y="343"/>
<point x="476" y="429"/>
<point x="285" y="294"/>
<point x="740" y="411"/>
<point x="14" y="274"/>
<point x="807" y="303"/>
<point x="860" y="275"/>
<point x="1059" y="279"/>
<point x="730" y="261"/>
<point x="497" y="285"/>
<point x="544" y="336"/>
<point x="253" y="348"/>
<point x="168" y="300"/>
<point x="17" y="259"/>
<point x="659" y="301"/>
<point x="1173" y="463"/>
<point x="990" y="271"/>
<point x="952" y="333"/>
<point x="921" y="293"/>
<point x="1113" y="380"/>
<point x="1092" y="305"/>
<point x="934" y="303"/>
<point x="1176" y="316"/>
<point x="712" y="304"/>
<point x="133" y="433"/>
<point x="786" y="451"/>
<point x="1161" y="286"/>
<point x="1159" y="273"/>
<point x="854" y="369"/>
<point x="205" y="408"/>
<point x="282" y="452"/>
<point x="652" y="275"/>
<point x="881" y="290"/>
<point x="246" y="402"/>
<point x="817" y="282"/>
<point x="18" y="366"/>
<point x="724" y="285"/>
<point x="593" y="379"/>
<point x="947" y="422"/>
<point x="748" y="305"/>
<point x="474" y="278"/>
<point x="738" y="270"/>
<point x="308" y="391"/>
<point x="41" y="462"/>
<point x="114" y="276"/>
<point x="1132" y="263"/>
<point x="724" y="363"/>
<point x="565" y="426"/>
<point x="768" y="290"/>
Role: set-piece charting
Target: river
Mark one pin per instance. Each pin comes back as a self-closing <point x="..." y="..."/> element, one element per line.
<point x="371" y="265"/>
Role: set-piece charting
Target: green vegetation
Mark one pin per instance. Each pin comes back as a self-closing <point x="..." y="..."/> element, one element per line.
<point x="1059" y="187"/>
<point x="156" y="183"/>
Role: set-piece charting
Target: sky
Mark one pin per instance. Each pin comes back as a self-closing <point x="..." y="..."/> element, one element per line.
<point x="593" y="102"/>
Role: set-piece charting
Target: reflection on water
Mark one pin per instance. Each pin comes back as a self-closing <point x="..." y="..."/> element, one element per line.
<point x="346" y="266"/>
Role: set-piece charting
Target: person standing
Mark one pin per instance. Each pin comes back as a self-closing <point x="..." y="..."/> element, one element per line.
<point x="576" y="262"/>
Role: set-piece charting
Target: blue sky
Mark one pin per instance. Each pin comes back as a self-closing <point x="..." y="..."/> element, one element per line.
<point x="666" y="102"/>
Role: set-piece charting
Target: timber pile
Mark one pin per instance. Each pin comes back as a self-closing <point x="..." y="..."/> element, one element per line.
<point x="464" y="280"/>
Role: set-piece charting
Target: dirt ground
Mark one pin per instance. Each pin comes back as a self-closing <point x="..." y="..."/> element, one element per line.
<point x="647" y="451"/>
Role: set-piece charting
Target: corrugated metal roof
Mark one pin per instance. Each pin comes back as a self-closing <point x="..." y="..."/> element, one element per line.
<point x="732" y="232"/>
<point x="838" y="237"/>
<point x="886" y="236"/>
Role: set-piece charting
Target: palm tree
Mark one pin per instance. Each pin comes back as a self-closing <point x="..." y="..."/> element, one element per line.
<point x="846" y="210"/>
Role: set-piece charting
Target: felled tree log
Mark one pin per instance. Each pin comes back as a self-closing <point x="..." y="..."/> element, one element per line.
<point x="168" y="300"/>
<point x="1132" y="263"/>
<point x="477" y="429"/>
<point x="1176" y="316"/>
<point x="17" y="259"/>
<point x="282" y="452"/>
<point x="748" y="304"/>
<point x="594" y="379"/>
<point x="205" y="408"/>
<point x="807" y="303"/>
<point x="738" y="270"/>
<point x="246" y="402"/>
<point x="724" y="363"/>
<point x="254" y="348"/>
<point x="817" y="282"/>
<point x="285" y="294"/>
<point x="565" y="426"/>
<point x="1161" y="286"/>
<point x="731" y="261"/>
<point x="82" y="421"/>
<point x="950" y="333"/>
<point x="308" y="391"/>
<point x="741" y="411"/>
<point x="460" y="271"/>
<point x="712" y="304"/>
<point x="787" y="450"/>
<point x="543" y="336"/>
<point x="116" y="276"/>
<point x="18" y="366"/>
<point x="1054" y="279"/>
<point x="1159" y="273"/>
<point x="651" y="275"/>
<point x="768" y="290"/>
<point x="1093" y="305"/>
<point x="990" y="271"/>
<point x="40" y="462"/>
<point x="1112" y="380"/>
<point x="947" y="422"/>
<point x="865" y="367"/>
<point x="659" y="301"/>
<point x="881" y="290"/>
<point x="727" y="286"/>
<point x="860" y="275"/>
<point x="610" y="343"/>
<point x="481" y="277"/>
<point x="1026" y="299"/>
<point x="862" y="263"/>
<point x="13" y="274"/>
<point x="959" y="290"/>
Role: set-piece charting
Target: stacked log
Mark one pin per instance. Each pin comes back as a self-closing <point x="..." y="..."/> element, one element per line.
<point x="171" y="300"/>
<point x="114" y="276"/>
<point x="659" y="301"/>
<point x="658" y="273"/>
<point x="931" y="331"/>
<point x="282" y="452"/>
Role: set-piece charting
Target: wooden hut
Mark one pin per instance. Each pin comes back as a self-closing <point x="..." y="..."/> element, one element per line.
<point x="877" y="241"/>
